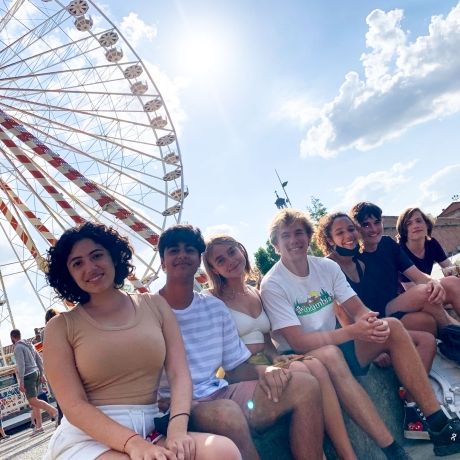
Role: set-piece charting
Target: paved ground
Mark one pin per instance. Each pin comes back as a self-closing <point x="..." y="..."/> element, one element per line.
<point x="21" y="447"/>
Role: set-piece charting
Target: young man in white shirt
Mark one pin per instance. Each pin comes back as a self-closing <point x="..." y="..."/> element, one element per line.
<point x="299" y="294"/>
<point x="211" y="340"/>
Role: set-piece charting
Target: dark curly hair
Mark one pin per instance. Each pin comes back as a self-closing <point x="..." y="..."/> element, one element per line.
<point x="363" y="210"/>
<point x="181" y="233"/>
<point x="57" y="273"/>
<point x="323" y="231"/>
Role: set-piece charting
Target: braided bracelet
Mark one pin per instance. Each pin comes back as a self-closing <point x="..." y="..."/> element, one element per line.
<point x="179" y="414"/>
<point x="126" y="442"/>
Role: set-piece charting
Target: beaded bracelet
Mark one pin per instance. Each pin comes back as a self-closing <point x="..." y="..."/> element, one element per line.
<point x="179" y="414"/>
<point x="126" y="442"/>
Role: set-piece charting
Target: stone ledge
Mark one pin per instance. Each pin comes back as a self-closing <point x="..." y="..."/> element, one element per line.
<point x="382" y="386"/>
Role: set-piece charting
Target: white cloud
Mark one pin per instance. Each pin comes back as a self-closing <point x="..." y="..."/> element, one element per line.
<point x="405" y="84"/>
<point x="438" y="189"/>
<point x="236" y="230"/>
<point x="297" y="109"/>
<point x="135" y="29"/>
<point x="377" y="187"/>
<point x="220" y="229"/>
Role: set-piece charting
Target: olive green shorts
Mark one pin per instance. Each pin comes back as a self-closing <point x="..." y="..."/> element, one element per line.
<point x="31" y="384"/>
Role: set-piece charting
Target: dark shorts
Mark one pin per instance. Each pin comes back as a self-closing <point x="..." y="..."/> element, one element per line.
<point x="31" y="384"/>
<point x="349" y="353"/>
<point x="398" y="314"/>
<point x="242" y="393"/>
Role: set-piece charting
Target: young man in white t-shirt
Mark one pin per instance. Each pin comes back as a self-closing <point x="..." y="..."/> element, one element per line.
<point x="299" y="294"/>
<point x="211" y="341"/>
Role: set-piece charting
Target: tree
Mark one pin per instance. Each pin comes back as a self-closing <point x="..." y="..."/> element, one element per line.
<point x="266" y="257"/>
<point x="316" y="209"/>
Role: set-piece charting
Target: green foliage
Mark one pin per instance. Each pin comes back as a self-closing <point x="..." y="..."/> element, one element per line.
<point x="316" y="209"/>
<point x="314" y="250"/>
<point x="266" y="257"/>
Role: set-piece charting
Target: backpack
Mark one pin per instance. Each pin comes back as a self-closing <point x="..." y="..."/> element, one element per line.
<point x="450" y="342"/>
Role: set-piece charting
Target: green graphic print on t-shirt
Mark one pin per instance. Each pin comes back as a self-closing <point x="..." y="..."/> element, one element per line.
<point x="315" y="301"/>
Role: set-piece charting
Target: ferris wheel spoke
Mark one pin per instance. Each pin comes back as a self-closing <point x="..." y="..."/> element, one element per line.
<point x="85" y="134"/>
<point x="109" y="163"/>
<point x="39" y="107"/>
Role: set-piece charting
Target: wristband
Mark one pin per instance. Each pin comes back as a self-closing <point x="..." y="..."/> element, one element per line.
<point x="126" y="442"/>
<point x="178" y="415"/>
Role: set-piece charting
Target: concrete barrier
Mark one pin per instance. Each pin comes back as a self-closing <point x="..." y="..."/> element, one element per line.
<point x="382" y="386"/>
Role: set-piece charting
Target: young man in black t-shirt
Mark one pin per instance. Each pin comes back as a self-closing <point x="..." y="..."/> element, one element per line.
<point x="421" y="307"/>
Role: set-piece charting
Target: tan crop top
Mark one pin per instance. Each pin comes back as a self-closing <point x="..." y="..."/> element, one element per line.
<point x="120" y="365"/>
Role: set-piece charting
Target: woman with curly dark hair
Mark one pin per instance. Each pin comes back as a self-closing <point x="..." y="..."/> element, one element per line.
<point x="105" y="356"/>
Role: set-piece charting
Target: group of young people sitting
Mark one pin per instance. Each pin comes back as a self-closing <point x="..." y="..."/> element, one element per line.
<point x="118" y="362"/>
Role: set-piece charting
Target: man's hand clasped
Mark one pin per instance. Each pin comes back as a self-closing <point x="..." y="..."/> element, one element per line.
<point x="436" y="292"/>
<point x="273" y="381"/>
<point x="369" y="328"/>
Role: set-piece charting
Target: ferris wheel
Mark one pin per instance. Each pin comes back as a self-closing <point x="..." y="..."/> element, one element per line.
<point x="84" y="135"/>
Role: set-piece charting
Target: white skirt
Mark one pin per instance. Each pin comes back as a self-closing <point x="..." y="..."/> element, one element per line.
<point x="70" y="443"/>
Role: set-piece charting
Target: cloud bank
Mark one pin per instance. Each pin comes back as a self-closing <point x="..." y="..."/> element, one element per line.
<point x="431" y="193"/>
<point x="404" y="84"/>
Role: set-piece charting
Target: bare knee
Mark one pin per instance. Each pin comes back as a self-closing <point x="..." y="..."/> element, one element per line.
<point x="332" y="359"/>
<point x="210" y="447"/>
<point x="327" y="354"/>
<point x="33" y="402"/>
<point x="397" y="328"/>
<point x="316" y="368"/>
<point x="451" y="285"/>
<point x="303" y="386"/>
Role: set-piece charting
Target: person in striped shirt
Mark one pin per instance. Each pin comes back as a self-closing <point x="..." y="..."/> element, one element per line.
<point x="252" y="397"/>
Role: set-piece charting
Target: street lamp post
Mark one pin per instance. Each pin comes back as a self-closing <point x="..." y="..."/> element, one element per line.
<point x="283" y="186"/>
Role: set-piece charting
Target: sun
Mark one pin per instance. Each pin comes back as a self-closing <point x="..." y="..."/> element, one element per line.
<point x="204" y="54"/>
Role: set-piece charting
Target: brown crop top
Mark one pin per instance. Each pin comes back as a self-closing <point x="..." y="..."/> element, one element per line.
<point x="120" y="365"/>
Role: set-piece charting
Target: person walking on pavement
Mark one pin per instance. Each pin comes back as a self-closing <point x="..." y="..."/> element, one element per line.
<point x="30" y="375"/>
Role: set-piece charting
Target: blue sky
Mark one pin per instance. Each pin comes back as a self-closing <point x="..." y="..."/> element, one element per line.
<point x="266" y="99"/>
<point x="349" y="101"/>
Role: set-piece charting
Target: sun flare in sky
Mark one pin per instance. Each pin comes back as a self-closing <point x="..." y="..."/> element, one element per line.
<point x="205" y="54"/>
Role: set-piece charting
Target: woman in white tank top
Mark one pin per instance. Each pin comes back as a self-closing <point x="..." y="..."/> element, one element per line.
<point x="228" y="268"/>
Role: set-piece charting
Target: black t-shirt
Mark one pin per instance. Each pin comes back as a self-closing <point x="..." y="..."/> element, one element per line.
<point x="380" y="283"/>
<point x="433" y="253"/>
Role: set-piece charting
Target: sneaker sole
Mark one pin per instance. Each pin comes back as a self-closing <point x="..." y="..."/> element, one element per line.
<point x="417" y="435"/>
<point x="442" y="451"/>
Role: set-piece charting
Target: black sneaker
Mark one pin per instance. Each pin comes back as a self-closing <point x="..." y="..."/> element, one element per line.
<point x="415" y="426"/>
<point x="447" y="441"/>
